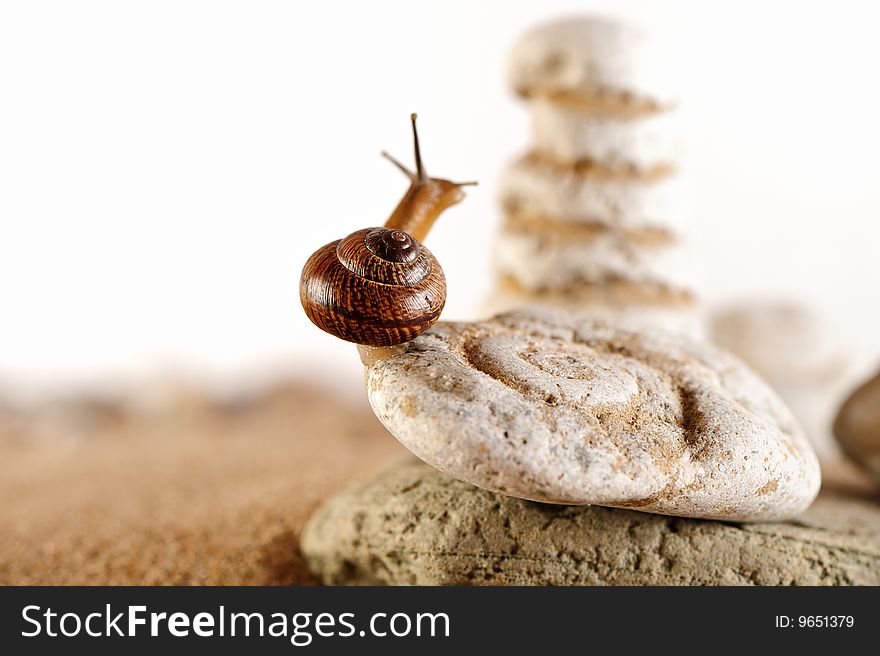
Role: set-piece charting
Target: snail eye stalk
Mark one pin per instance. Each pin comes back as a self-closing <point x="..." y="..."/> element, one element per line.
<point x="380" y="288"/>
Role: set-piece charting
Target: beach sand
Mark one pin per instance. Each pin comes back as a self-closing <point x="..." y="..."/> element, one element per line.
<point x="205" y="492"/>
<point x="192" y="490"/>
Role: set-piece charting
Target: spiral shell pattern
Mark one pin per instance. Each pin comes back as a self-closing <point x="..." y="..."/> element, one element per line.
<point x="561" y="408"/>
<point x="377" y="287"/>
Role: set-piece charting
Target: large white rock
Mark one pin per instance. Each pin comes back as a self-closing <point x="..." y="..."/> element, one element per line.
<point x="550" y="407"/>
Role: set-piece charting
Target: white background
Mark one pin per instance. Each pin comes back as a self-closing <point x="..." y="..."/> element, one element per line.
<point x="166" y="167"/>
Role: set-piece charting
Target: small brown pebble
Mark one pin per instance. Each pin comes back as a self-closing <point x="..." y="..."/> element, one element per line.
<point x="857" y="426"/>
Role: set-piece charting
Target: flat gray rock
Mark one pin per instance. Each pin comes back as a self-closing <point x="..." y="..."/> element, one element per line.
<point x="559" y="408"/>
<point x="415" y="525"/>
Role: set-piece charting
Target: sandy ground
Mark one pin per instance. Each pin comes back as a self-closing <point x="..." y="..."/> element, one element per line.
<point x="186" y="490"/>
<point x="203" y="492"/>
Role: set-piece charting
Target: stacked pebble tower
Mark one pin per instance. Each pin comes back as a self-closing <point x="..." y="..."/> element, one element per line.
<point x="529" y="413"/>
<point x="591" y="212"/>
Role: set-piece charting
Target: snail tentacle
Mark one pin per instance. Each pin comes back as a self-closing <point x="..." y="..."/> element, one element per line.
<point x="426" y="197"/>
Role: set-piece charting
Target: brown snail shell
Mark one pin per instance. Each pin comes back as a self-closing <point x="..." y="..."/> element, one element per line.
<point x="376" y="287"/>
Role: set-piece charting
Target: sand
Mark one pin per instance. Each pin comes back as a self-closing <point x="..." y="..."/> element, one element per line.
<point x="205" y="492"/>
<point x="199" y="492"/>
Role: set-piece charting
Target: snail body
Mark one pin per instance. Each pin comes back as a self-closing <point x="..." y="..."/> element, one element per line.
<point x="380" y="287"/>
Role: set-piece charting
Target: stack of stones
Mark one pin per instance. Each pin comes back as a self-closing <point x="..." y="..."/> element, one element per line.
<point x="558" y="447"/>
<point x="591" y="213"/>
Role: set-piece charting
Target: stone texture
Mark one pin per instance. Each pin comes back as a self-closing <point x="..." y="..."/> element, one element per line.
<point x="415" y="525"/>
<point x="857" y="426"/>
<point x="560" y="408"/>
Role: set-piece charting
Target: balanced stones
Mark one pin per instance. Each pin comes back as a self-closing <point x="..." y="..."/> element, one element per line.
<point x="546" y="428"/>
<point x="561" y="408"/>
<point x="415" y="525"/>
<point x="592" y="212"/>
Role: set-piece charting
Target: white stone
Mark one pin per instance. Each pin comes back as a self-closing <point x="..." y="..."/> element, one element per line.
<point x="532" y="187"/>
<point x="551" y="407"/>
<point x="677" y="318"/>
<point x="570" y="134"/>
<point x="590" y="57"/>
<point x="538" y="259"/>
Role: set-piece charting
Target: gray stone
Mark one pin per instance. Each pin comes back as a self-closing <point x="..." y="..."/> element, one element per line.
<point x="415" y="525"/>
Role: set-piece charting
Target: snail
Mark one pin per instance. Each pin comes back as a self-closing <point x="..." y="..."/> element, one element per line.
<point x="380" y="287"/>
